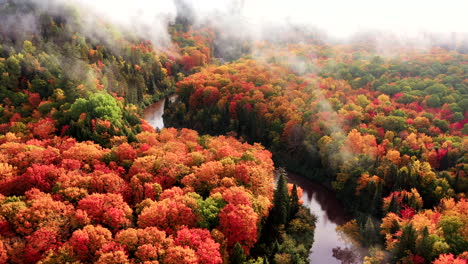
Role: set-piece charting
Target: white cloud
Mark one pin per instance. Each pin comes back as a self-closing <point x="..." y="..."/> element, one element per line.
<point x="341" y="18"/>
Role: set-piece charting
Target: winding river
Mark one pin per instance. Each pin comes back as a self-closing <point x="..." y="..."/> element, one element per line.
<point x="320" y="201"/>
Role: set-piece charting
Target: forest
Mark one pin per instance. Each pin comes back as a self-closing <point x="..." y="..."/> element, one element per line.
<point x="85" y="179"/>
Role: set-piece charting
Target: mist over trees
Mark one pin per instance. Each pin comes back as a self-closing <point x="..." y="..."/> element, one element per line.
<point x="83" y="178"/>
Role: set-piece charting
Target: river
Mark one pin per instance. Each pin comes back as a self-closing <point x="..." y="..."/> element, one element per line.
<point x="153" y="114"/>
<point x="329" y="212"/>
<point x="319" y="200"/>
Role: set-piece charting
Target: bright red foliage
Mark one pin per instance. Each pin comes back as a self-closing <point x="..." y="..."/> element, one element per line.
<point x="239" y="224"/>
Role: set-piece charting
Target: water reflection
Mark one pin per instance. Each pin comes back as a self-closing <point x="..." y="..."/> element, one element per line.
<point x="330" y="213"/>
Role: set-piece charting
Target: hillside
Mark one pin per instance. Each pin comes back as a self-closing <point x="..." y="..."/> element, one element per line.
<point x="84" y="179"/>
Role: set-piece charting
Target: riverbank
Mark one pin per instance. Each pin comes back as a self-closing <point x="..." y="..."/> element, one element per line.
<point x="317" y="198"/>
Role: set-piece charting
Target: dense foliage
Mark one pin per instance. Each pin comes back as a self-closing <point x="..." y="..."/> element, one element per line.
<point x="58" y="68"/>
<point x="171" y="197"/>
<point x="83" y="179"/>
<point x="376" y="127"/>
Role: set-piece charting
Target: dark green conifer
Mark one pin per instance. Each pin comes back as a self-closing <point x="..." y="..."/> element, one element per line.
<point x="395" y="227"/>
<point x="407" y="243"/>
<point x="280" y="211"/>
<point x="294" y="206"/>
<point x="238" y="254"/>
<point x="394" y="205"/>
<point x="369" y="233"/>
<point x="424" y="245"/>
<point x="376" y="204"/>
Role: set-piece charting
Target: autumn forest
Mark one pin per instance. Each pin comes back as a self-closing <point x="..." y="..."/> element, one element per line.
<point x="84" y="178"/>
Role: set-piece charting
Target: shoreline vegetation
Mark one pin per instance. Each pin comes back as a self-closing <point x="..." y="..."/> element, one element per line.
<point x="84" y="179"/>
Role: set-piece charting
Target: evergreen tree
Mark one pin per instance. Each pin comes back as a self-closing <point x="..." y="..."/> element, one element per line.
<point x="413" y="203"/>
<point x="407" y="242"/>
<point x="294" y="206"/>
<point x="369" y="233"/>
<point x="238" y="254"/>
<point x="424" y="245"/>
<point x="280" y="211"/>
<point x="394" y="205"/>
<point x="401" y="177"/>
<point x="376" y="204"/>
<point x="279" y="214"/>
<point x="395" y="227"/>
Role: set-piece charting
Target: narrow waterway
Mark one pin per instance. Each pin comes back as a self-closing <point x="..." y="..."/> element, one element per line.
<point x="319" y="200"/>
<point x="330" y="213"/>
<point x="153" y="114"/>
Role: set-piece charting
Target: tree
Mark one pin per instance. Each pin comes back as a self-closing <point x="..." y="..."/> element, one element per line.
<point x="449" y="259"/>
<point x="394" y="123"/>
<point x="137" y="242"/>
<point x="452" y="227"/>
<point x="107" y="209"/>
<point x="434" y="101"/>
<point x="44" y="128"/>
<point x="40" y="242"/>
<point x="99" y="118"/>
<point x="115" y="257"/>
<point x="3" y="253"/>
<point x="442" y="124"/>
<point x="102" y="182"/>
<point x="238" y="255"/>
<point x="178" y="254"/>
<point x="407" y="244"/>
<point x="294" y="203"/>
<point x="281" y="203"/>
<point x="239" y="224"/>
<point x="394" y="205"/>
<point x="424" y="245"/>
<point x="209" y="209"/>
<point x="42" y="177"/>
<point x="369" y="233"/>
<point x="42" y="211"/>
<point x="87" y="241"/>
<point x="169" y="215"/>
<point x="200" y="240"/>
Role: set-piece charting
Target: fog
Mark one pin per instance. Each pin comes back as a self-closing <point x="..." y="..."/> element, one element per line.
<point x="415" y="21"/>
<point x="341" y="18"/>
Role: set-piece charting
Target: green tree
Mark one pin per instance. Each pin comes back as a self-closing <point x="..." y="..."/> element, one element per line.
<point x="238" y="254"/>
<point x="425" y="244"/>
<point x="407" y="242"/>
<point x="394" y="206"/>
<point x="434" y="101"/>
<point x="369" y="233"/>
<point x="442" y="124"/>
<point x="394" y="123"/>
<point x="294" y="203"/>
<point x="280" y="211"/>
<point x="452" y="226"/>
<point x="208" y="210"/>
<point x="84" y="115"/>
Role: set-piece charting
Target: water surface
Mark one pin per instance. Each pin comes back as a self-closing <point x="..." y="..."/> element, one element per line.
<point x="330" y="213"/>
<point x="320" y="201"/>
<point x="153" y="114"/>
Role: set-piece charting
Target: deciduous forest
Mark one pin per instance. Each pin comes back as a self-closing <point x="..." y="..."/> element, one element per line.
<point x="85" y="179"/>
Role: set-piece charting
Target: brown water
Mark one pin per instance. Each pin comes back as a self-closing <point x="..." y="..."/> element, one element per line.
<point x="320" y="201"/>
<point x="330" y="213"/>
